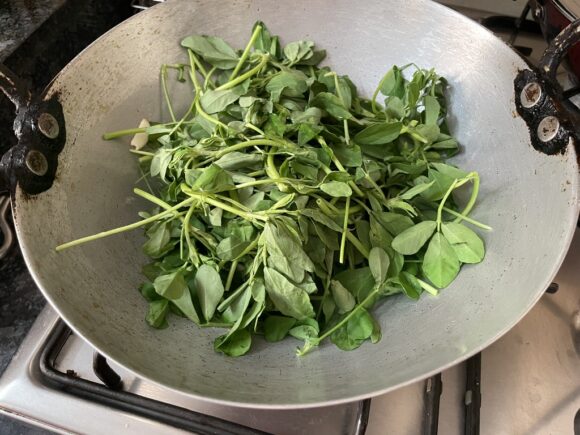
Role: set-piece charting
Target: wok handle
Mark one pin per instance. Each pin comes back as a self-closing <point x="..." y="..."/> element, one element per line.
<point x="558" y="48"/>
<point x="554" y="122"/>
<point x="39" y="128"/>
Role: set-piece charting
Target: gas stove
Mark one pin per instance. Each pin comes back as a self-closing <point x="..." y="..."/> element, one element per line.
<point x="528" y="382"/>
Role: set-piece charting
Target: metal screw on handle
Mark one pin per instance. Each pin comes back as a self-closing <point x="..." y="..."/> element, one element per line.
<point x="4" y="227"/>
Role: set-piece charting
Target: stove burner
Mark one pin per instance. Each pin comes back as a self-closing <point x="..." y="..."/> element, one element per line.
<point x="111" y="394"/>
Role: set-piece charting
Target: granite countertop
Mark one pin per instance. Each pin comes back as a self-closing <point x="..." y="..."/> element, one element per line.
<point x="20" y="18"/>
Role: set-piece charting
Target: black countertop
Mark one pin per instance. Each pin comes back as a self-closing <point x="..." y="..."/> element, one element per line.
<point x="20" y="18"/>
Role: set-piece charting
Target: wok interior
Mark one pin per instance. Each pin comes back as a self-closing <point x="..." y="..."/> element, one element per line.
<point x="529" y="200"/>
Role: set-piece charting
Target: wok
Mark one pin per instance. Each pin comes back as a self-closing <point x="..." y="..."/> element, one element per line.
<point x="528" y="196"/>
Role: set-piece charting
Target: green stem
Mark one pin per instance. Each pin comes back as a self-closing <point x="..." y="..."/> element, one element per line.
<point x="344" y="231"/>
<point x="376" y="93"/>
<point x="141" y="153"/>
<point x="467" y="219"/>
<point x="248" y="143"/>
<point x="226" y="302"/>
<point x="427" y="287"/>
<point x="231" y="273"/>
<point x="165" y="91"/>
<point x="245" y="215"/>
<point x="210" y="118"/>
<point x="244" y="76"/>
<point x="357" y="244"/>
<point x="246" y="52"/>
<point x="193" y="254"/>
<point x="442" y="203"/>
<point x="471" y="202"/>
<point x="129" y="227"/>
<point x="119" y="133"/>
<point x="193" y="58"/>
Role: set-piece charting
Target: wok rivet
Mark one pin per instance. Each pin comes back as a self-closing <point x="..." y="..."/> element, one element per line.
<point x="531" y="94"/>
<point x="36" y="162"/>
<point x="48" y="125"/>
<point x="548" y="128"/>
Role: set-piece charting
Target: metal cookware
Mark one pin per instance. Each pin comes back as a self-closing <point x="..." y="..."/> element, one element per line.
<point x="506" y="126"/>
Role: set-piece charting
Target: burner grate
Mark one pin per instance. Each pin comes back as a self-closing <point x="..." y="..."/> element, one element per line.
<point x="111" y="394"/>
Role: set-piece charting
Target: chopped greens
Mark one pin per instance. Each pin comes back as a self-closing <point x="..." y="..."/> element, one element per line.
<point x="286" y="204"/>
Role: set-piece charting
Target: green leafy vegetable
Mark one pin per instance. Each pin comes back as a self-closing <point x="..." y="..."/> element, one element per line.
<point x="284" y="203"/>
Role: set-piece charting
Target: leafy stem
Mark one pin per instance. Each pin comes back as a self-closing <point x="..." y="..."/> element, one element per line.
<point x="344" y="231"/>
<point x="230" y="84"/>
<point x="316" y="341"/>
<point x="205" y="197"/>
<point x="249" y="143"/>
<point x="129" y="227"/>
<point x="246" y="52"/>
<point x="165" y="91"/>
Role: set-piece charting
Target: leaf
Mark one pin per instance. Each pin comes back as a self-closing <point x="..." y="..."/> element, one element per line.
<point x="328" y="307"/>
<point x="343" y="299"/>
<point x="159" y="237"/>
<point x="276" y="126"/>
<point x="214" y="50"/>
<point x="441" y="184"/>
<point x="379" y="134"/>
<point x="440" y="264"/>
<point x="160" y="163"/>
<point x="332" y="104"/>
<point x="376" y="334"/>
<point x="349" y="156"/>
<point x="393" y="83"/>
<point x="236" y="344"/>
<point x="304" y="332"/>
<point x="336" y="189"/>
<point x="379" y="264"/>
<point x="236" y="309"/>
<point x="358" y="328"/>
<point x="214" y="179"/>
<point x="214" y="101"/>
<point x="430" y="132"/>
<point x="448" y="170"/>
<point x="318" y="216"/>
<point x="465" y="242"/>
<point x="395" y="108"/>
<point x="291" y="83"/>
<point x="327" y="236"/>
<point x="410" y="285"/>
<point x="215" y="217"/>
<point x="171" y="285"/>
<point x="237" y="160"/>
<point x="230" y="248"/>
<point x="210" y="290"/>
<point x="412" y="239"/>
<point x="185" y="305"/>
<point x="289" y="299"/>
<point x="416" y="190"/>
<point x="394" y="223"/>
<point x="298" y="50"/>
<point x="157" y="314"/>
<point x="432" y="109"/>
<point x="277" y="327"/>
<point x="359" y="282"/>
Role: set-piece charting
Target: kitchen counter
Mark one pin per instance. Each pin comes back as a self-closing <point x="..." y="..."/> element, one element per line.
<point x="20" y="18"/>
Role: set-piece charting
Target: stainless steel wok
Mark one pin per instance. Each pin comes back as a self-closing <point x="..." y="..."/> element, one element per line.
<point x="528" y="197"/>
